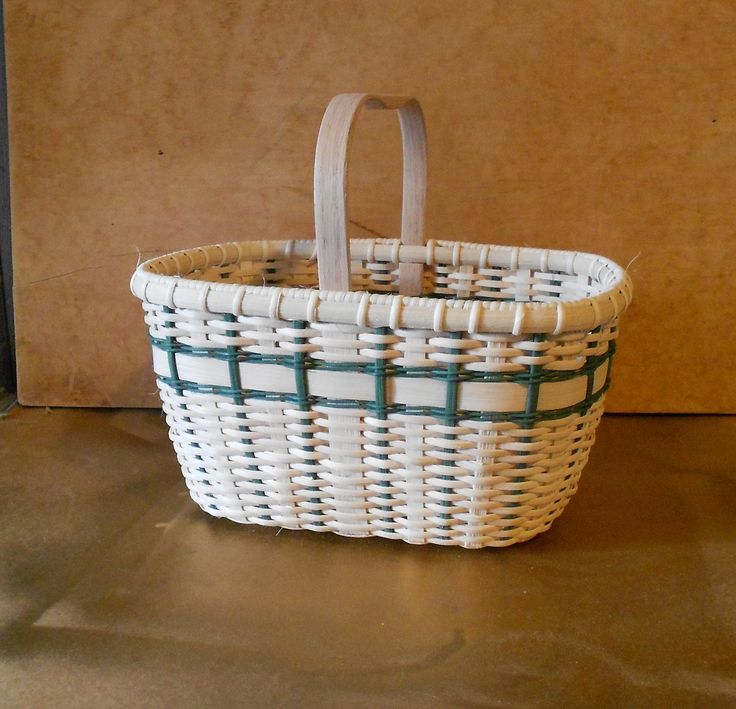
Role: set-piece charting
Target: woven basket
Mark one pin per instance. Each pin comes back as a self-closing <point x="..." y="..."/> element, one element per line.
<point x="445" y="393"/>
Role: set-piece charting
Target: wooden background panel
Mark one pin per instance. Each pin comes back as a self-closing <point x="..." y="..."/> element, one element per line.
<point x="149" y="125"/>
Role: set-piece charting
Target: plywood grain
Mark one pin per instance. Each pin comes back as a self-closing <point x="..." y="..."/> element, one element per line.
<point x="144" y="126"/>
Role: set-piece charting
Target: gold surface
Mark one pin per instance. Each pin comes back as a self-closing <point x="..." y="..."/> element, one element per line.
<point x="117" y="591"/>
<point x="594" y="126"/>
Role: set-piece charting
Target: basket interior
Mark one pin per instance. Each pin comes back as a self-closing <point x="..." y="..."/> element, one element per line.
<point x="440" y="279"/>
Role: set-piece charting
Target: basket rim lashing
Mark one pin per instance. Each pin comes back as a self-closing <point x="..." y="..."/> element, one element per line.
<point x="163" y="281"/>
<point x="445" y="392"/>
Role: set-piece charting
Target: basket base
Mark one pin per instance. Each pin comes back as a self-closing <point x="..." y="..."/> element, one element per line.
<point x="464" y="542"/>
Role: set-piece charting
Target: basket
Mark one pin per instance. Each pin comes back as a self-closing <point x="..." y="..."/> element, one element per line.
<point x="443" y="393"/>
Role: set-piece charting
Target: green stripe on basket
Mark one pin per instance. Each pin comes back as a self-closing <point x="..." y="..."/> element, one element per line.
<point x="591" y="372"/>
<point x="380" y="372"/>
<point x="521" y="418"/>
<point x="532" y="394"/>
<point x="450" y="419"/>
<point x="303" y="402"/>
<point x="169" y="345"/>
<point x="532" y="375"/>
<point x="611" y="352"/>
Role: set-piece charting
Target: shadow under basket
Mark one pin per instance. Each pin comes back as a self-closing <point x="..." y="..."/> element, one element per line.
<point x="461" y="413"/>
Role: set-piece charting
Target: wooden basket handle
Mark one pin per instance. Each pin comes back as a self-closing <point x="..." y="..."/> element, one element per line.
<point x="330" y="186"/>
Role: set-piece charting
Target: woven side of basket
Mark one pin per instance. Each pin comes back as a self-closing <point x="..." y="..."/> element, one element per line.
<point x="470" y="436"/>
<point x="416" y="435"/>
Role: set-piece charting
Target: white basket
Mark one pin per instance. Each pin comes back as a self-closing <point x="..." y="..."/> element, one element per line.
<point x="445" y="393"/>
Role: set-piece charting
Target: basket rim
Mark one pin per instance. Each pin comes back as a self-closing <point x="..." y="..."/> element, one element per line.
<point x="163" y="281"/>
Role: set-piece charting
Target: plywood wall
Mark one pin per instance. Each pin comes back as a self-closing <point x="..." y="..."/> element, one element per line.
<point x="145" y="126"/>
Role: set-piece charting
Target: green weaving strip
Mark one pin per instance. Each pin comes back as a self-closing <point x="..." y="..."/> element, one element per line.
<point x="526" y="377"/>
<point x="520" y="418"/>
<point x="450" y="419"/>
<point x="380" y="372"/>
<point x="300" y="365"/>
<point x="452" y="374"/>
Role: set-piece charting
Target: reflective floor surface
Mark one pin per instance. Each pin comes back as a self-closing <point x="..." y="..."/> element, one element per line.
<point x="117" y="591"/>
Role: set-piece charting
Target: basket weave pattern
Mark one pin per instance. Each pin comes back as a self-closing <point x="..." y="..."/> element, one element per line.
<point x="445" y="392"/>
<point x="470" y="430"/>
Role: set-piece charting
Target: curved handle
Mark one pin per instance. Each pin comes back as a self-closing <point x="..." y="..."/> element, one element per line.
<point x="330" y="187"/>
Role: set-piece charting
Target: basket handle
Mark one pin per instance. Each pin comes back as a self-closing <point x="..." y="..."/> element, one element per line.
<point x="330" y="187"/>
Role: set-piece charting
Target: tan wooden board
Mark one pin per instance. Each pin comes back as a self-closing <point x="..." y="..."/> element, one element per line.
<point x="149" y="126"/>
